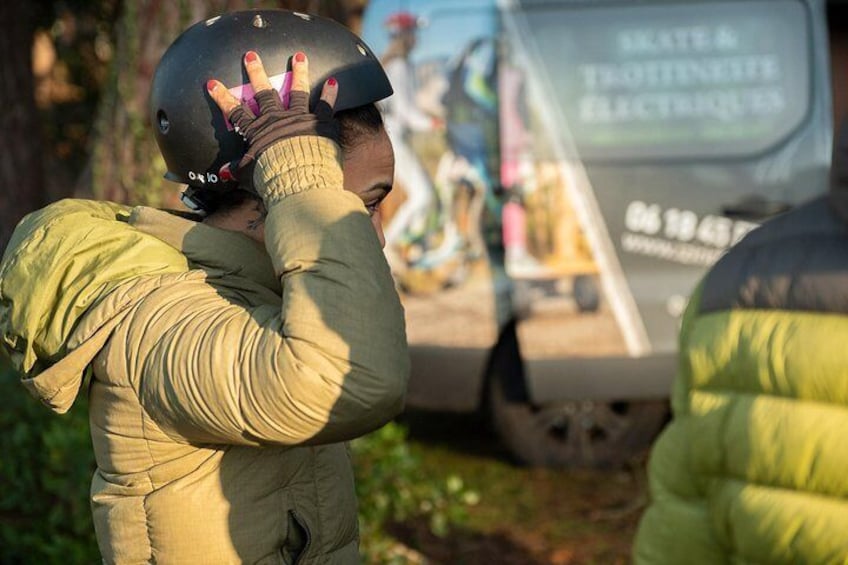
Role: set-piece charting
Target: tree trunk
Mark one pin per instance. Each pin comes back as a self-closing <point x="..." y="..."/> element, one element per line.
<point x="125" y="165"/>
<point x="21" y="173"/>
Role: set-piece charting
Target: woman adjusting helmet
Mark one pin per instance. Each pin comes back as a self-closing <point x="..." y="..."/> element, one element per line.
<point x="193" y="136"/>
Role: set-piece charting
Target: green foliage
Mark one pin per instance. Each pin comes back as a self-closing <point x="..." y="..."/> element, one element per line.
<point x="46" y="463"/>
<point x="392" y="486"/>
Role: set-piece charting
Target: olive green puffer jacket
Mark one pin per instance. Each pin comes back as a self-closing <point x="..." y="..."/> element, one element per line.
<point x="225" y="378"/>
<point x="753" y="467"/>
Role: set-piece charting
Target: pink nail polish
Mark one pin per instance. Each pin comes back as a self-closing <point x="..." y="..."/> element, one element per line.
<point x="211" y="84"/>
<point x="300" y="56"/>
<point x="251" y="56"/>
<point x="331" y="81"/>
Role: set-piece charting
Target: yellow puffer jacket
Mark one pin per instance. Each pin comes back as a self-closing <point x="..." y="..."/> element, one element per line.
<point x="224" y="377"/>
<point x="753" y="468"/>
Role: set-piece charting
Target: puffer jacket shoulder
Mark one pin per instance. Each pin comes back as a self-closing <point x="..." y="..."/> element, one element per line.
<point x="61" y="263"/>
<point x="752" y="467"/>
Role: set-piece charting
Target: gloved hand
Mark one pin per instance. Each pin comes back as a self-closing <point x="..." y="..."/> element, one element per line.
<point x="274" y="122"/>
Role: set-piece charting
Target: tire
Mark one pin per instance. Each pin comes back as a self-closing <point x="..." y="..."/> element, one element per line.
<point x="586" y="293"/>
<point x="573" y="434"/>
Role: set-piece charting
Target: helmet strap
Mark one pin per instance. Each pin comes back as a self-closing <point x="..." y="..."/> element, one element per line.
<point x="197" y="200"/>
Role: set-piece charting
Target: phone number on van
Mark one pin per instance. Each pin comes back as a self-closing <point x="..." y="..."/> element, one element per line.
<point x="679" y="235"/>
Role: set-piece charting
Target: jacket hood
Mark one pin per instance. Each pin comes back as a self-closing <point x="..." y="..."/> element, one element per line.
<point x="60" y="264"/>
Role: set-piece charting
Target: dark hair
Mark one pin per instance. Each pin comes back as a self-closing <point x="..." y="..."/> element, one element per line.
<point x="222" y="203"/>
<point x="353" y="124"/>
<point x="356" y="122"/>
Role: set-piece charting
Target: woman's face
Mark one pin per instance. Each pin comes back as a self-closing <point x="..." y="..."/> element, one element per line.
<point x="369" y="171"/>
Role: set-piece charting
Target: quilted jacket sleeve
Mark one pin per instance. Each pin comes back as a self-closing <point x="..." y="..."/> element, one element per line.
<point x="330" y="366"/>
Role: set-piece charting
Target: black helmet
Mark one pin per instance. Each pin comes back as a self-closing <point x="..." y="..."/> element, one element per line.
<point x="193" y="136"/>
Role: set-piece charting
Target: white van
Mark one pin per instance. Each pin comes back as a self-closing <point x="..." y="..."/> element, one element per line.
<point x="566" y="172"/>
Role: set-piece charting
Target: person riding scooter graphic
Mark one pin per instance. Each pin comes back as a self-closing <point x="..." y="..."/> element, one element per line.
<point x="439" y="229"/>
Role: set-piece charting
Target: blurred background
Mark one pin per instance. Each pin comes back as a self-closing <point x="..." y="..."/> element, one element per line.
<point x="481" y="470"/>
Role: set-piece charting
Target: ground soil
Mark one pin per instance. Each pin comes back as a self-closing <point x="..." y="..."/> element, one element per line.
<point x="525" y="516"/>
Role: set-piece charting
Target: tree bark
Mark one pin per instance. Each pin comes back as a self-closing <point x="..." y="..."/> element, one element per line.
<point x="21" y="172"/>
<point x="125" y="165"/>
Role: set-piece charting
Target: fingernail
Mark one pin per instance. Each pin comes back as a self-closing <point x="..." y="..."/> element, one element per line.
<point x="211" y="84"/>
<point x="331" y="81"/>
<point x="300" y="56"/>
<point x="224" y="174"/>
<point x="251" y="56"/>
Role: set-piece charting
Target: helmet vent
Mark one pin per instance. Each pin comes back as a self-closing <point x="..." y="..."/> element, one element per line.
<point x="361" y="48"/>
<point x="259" y="21"/>
<point x="162" y="121"/>
<point x="211" y="21"/>
<point x="303" y="16"/>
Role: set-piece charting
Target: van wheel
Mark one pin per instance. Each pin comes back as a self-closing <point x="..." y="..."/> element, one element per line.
<point x="586" y="293"/>
<point x="577" y="434"/>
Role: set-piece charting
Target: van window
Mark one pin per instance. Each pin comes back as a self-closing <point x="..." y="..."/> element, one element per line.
<point x="682" y="80"/>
